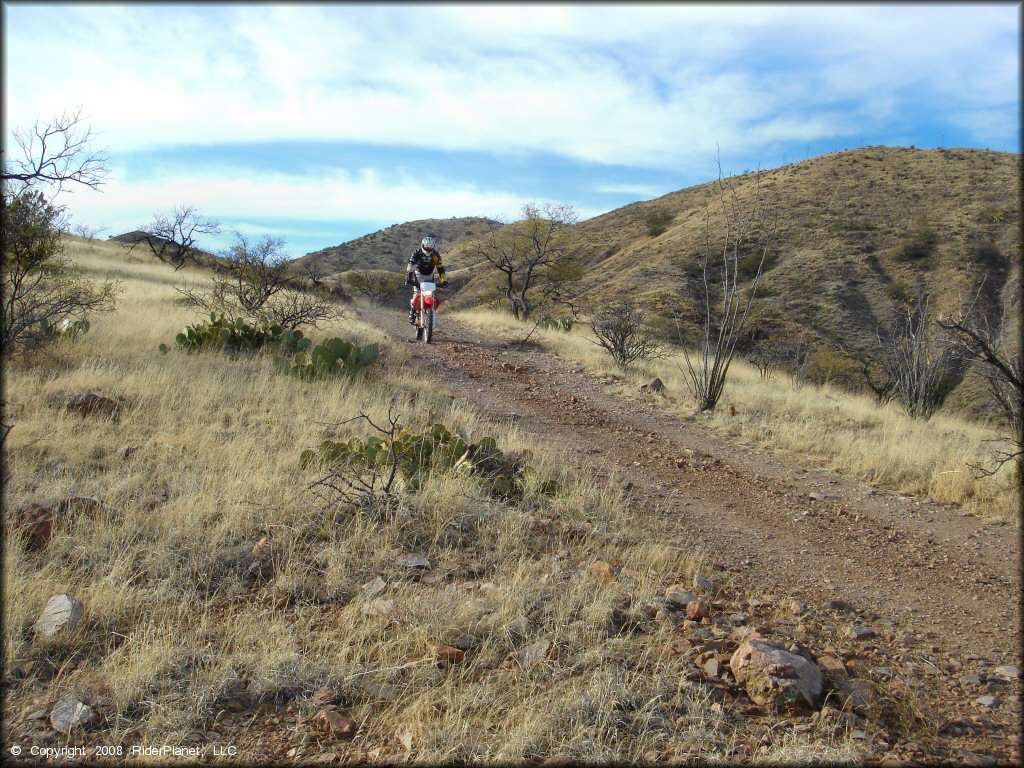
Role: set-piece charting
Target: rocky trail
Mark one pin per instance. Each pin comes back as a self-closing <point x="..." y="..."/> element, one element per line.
<point x="929" y="588"/>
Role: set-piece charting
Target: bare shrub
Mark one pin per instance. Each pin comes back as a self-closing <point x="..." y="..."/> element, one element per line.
<point x="253" y="283"/>
<point x="916" y="360"/>
<point x="1000" y="363"/>
<point x="621" y="329"/>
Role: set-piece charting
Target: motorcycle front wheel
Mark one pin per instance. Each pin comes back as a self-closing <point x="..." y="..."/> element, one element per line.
<point x="428" y="326"/>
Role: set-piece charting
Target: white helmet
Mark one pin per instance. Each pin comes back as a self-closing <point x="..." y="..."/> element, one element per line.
<point x="428" y="244"/>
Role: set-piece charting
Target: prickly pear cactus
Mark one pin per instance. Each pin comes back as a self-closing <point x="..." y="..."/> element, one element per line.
<point x="436" y="449"/>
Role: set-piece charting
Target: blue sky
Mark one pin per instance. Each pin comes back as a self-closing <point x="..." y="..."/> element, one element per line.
<point x="319" y="123"/>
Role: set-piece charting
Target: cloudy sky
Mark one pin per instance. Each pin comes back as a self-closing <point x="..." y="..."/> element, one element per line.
<point x="319" y="123"/>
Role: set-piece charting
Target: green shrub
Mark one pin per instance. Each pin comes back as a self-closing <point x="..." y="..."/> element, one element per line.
<point x="921" y="242"/>
<point x="331" y="358"/>
<point x="657" y="222"/>
<point x="435" y="449"/>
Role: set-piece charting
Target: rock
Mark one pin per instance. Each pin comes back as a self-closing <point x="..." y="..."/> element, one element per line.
<point x="536" y="653"/>
<point x="601" y="570"/>
<point x="627" y="486"/>
<point x="712" y="667"/>
<point x="39" y="519"/>
<point x="817" y="496"/>
<point x="380" y="607"/>
<point x="87" y="403"/>
<point x="374" y="587"/>
<point x="60" y="612"/>
<point x="655" y="386"/>
<point x="465" y="641"/>
<point x="706" y="586"/>
<point x="988" y="701"/>
<point x="970" y="681"/>
<point x="446" y="653"/>
<point x="1008" y="671"/>
<point x="775" y="678"/>
<point x="857" y="632"/>
<point x="335" y="723"/>
<point x="697" y="610"/>
<point x="325" y="695"/>
<point x="840" y="605"/>
<point x="413" y="562"/>
<point x="679" y="597"/>
<point x="69" y="713"/>
<point x="857" y="695"/>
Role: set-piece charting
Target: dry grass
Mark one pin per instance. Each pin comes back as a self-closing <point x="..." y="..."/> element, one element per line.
<point x="174" y="633"/>
<point x="823" y="425"/>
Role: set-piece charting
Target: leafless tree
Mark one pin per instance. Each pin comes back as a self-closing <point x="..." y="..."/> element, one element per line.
<point x="765" y="355"/>
<point x="88" y="232"/>
<point x="621" y="329"/>
<point x="253" y="283"/>
<point x="378" y="285"/>
<point x="535" y="255"/>
<point x="734" y="228"/>
<point x="915" y="359"/>
<point x="172" y="236"/>
<point x="1000" y="363"/>
<point x="55" y="154"/>
<point x="799" y="355"/>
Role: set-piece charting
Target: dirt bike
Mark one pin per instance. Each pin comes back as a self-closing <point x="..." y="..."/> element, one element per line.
<point x="425" y="305"/>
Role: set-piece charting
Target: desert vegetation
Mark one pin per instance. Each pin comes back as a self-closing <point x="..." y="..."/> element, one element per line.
<point x="821" y="423"/>
<point x="220" y="589"/>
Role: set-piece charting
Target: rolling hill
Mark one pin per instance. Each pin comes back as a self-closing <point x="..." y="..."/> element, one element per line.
<point x="390" y="248"/>
<point x="858" y="232"/>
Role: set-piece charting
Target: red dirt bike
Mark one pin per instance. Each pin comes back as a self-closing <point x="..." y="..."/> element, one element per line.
<point x="425" y="304"/>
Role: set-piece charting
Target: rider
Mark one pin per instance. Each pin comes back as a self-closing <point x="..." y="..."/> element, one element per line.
<point x="421" y="269"/>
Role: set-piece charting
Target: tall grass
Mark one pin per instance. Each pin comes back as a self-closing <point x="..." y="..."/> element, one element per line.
<point x="823" y="425"/>
<point x="174" y="634"/>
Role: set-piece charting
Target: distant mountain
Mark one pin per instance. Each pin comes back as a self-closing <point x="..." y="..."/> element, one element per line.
<point x="390" y="248"/>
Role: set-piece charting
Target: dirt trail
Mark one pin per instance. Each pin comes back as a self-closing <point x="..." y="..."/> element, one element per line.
<point x="949" y="579"/>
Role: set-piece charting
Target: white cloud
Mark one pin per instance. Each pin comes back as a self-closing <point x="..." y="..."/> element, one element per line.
<point x="575" y="80"/>
<point x="248" y="201"/>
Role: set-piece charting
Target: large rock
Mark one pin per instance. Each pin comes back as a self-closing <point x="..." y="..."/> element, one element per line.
<point x="774" y="677"/>
<point x="61" y="612"/>
<point x="69" y="713"/>
<point x="678" y="597"/>
<point x="38" y="520"/>
<point x="88" y="403"/>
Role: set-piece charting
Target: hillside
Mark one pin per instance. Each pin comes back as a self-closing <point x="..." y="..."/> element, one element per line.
<point x="858" y="232"/>
<point x="582" y="586"/>
<point x="390" y="248"/>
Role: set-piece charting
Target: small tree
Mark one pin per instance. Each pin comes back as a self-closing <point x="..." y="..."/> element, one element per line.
<point x="742" y="226"/>
<point x="172" y="236"/>
<point x="1000" y="363"/>
<point x="765" y="355"/>
<point x="253" y="283"/>
<point x="621" y="329"/>
<point x="378" y="285"/>
<point x="41" y="290"/>
<point x="535" y="256"/>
